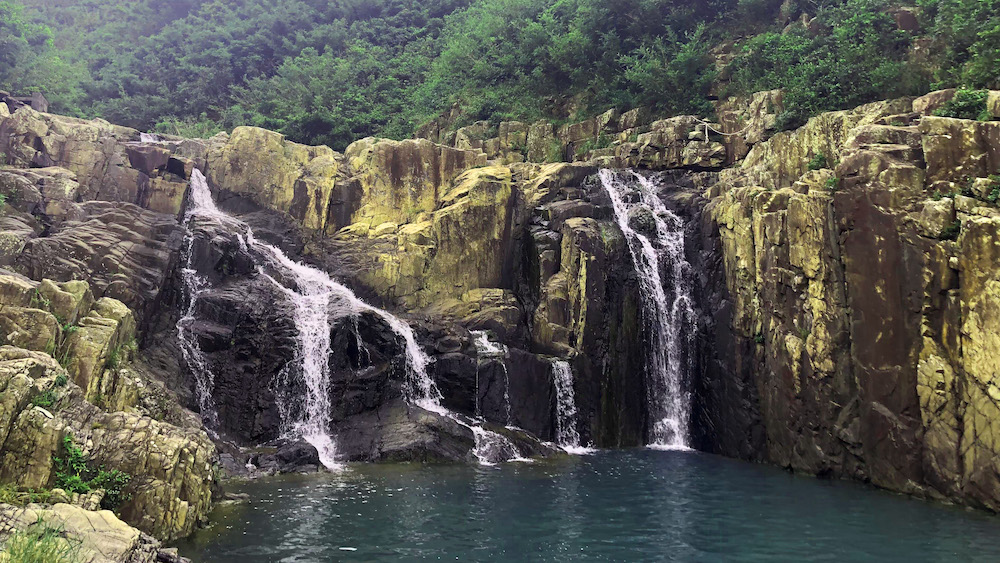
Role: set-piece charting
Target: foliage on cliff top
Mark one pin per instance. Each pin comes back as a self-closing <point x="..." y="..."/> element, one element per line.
<point x="332" y="72"/>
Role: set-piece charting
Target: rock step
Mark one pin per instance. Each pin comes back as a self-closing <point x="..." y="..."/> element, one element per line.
<point x="903" y="119"/>
<point x="903" y="153"/>
<point x="885" y="135"/>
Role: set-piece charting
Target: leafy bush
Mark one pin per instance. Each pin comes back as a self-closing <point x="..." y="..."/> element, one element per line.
<point x="75" y="475"/>
<point x="45" y="400"/>
<point x="994" y="188"/>
<point x="952" y="231"/>
<point x="857" y="58"/>
<point x="818" y="162"/>
<point x="967" y="104"/>
<point x="966" y="37"/>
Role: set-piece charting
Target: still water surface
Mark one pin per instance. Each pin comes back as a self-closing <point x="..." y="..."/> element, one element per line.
<point x="638" y="505"/>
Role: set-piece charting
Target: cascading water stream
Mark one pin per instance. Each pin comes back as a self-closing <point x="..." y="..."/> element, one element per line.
<point x="658" y="254"/>
<point x="318" y="301"/>
<point x="567" y="435"/>
<point x="493" y="351"/>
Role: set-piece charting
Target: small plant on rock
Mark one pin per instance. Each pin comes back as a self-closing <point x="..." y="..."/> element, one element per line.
<point x="75" y="475"/>
<point x="554" y="152"/>
<point x="818" y="162"/>
<point x="967" y="104"/>
<point x="952" y="231"/>
<point x="40" y="543"/>
<point x="40" y="301"/>
<point x="994" y="188"/>
<point x="45" y="400"/>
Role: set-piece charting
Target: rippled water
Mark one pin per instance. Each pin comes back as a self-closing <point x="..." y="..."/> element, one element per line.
<point x="612" y="506"/>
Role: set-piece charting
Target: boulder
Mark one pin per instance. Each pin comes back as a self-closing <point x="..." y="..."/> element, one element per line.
<point x="958" y="149"/>
<point x="276" y="174"/>
<point x="935" y="217"/>
<point x="31" y="329"/>
<point x="93" y="536"/>
<point x="148" y="159"/>
<point x="399" y="181"/>
<point x="928" y="103"/>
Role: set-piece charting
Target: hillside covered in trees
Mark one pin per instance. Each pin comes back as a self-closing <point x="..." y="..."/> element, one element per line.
<point x="332" y="72"/>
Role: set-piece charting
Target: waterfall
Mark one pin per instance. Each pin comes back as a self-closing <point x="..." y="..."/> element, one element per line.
<point x="658" y="254"/>
<point x="318" y="301"/>
<point x="148" y="138"/>
<point x="493" y="351"/>
<point x="566" y="433"/>
<point x="194" y="287"/>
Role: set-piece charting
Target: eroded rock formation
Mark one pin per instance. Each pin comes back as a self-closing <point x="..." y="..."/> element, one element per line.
<point x="847" y="275"/>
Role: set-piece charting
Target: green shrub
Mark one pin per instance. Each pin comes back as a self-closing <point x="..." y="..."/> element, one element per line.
<point x="952" y="231"/>
<point x="40" y="543"/>
<point x="8" y="494"/>
<point x="61" y="380"/>
<point x="554" y="152"/>
<point x="45" y="400"/>
<point x="75" y="475"/>
<point x="114" y="358"/>
<point x="818" y="162"/>
<point x="859" y="57"/>
<point x="832" y="183"/>
<point x="114" y="483"/>
<point x="994" y="187"/>
<point x="967" y="104"/>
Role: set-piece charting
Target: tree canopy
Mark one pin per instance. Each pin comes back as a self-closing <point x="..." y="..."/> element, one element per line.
<point x="334" y="71"/>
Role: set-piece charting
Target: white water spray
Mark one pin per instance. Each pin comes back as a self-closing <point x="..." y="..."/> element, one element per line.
<point x="493" y="351"/>
<point x="319" y="301"/>
<point x="668" y="309"/>
<point x="567" y="435"/>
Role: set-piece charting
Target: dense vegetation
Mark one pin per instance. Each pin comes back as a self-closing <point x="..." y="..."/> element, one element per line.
<point x="333" y="71"/>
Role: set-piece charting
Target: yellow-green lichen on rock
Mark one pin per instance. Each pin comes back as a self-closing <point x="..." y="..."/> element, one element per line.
<point x="277" y="174"/>
<point x="786" y="156"/>
<point x="456" y="248"/>
<point x="171" y="488"/>
<point x="979" y="264"/>
<point x="402" y="180"/>
<point x="91" y="536"/>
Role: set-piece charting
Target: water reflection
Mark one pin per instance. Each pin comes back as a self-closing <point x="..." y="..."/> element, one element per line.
<point x="641" y="505"/>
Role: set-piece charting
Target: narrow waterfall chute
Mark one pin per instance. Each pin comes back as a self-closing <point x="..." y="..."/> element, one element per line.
<point x="493" y="351"/>
<point x="656" y="245"/>
<point x="567" y="435"/>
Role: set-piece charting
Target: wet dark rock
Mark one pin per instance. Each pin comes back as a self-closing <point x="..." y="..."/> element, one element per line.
<point x="288" y="457"/>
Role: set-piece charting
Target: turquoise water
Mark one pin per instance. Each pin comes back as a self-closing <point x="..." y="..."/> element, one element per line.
<point x="612" y="506"/>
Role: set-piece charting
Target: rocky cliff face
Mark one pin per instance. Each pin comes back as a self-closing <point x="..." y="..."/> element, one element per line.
<point x="847" y="279"/>
<point x="862" y="293"/>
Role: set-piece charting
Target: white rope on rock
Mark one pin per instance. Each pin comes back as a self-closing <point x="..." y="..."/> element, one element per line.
<point x="708" y="127"/>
